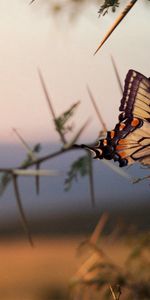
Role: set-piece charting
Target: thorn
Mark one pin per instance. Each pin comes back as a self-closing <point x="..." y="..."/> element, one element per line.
<point x="96" y="109"/>
<point x="37" y="180"/>
<point x="116" y="23"/>
<point x="91" y="181"/>
<point x="21" y="210"/>
<point x="117" y="74"/>
<point x="62" y="137"/>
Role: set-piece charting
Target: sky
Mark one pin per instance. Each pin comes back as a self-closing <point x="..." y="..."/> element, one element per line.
<point x="31" y="38"/>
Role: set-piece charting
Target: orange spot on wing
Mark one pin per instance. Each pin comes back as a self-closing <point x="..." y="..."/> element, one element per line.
<point x="105" y="142"/>
<point x="120" y="147"/>
<point x="112" y="134"/>
<point x="122" y="154"/>
<point x="121" y="127"/>
<point x="135" y="122"/>
<point x="122" y="142"/>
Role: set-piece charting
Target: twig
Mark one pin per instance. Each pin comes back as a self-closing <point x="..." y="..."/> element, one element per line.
<point x="32" y="156"/>
<point x="24" y="143"/>
<point x="37" y="180"/>
<point x="115" y="297"/>
<point x="21" y="210"/>
<point x="31" y="172"/>
<point x="116" y="23"/>
<point x="44" y="158"/>
<point x="96" y="109"/>
<point x="91" y="181"/>
<point x="99" y="228"/>
<point x="62" y="137"/>
<point x="38" y="160"/>
<point x="117" y="74"/>
<point x="112" y="292"/>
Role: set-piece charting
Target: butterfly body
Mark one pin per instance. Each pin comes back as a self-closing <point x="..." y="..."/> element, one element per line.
<point x="129" y="141"/>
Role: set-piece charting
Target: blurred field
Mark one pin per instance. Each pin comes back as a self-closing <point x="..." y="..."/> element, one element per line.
<point x="43" y="272"/>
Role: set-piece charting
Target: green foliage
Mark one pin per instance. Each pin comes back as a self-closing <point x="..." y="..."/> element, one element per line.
<point x="61" y="121"/>
<point x="106" y="5"/>
<point x="79" y="167"/>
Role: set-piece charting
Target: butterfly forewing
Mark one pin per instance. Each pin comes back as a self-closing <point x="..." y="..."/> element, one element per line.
<point x="136" y="96"/>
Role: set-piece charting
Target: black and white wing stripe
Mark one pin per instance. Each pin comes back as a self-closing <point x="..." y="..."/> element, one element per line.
<point x="136" y="96"/>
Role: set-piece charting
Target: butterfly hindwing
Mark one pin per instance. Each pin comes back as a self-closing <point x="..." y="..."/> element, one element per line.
<point x="136" y="145"/>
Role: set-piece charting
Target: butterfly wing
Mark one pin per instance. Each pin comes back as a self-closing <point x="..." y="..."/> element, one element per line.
<point x="135" y="146"/>
<point x="134" y="142"/>
<point x="130" y="140"/>
<point x="136" y="96"/>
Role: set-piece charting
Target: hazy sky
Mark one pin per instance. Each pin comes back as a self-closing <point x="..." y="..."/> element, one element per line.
<point x="31" y="38"/>
<point x="63" y="50"/>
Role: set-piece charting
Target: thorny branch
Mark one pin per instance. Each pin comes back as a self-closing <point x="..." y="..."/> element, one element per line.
<point x="32" y="160"/>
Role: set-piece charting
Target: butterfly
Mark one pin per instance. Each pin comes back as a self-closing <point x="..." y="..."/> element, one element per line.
<point x="129" y="141"/>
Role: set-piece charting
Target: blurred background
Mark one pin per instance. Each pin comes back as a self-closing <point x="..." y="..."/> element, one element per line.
<point x="59" y="38"/>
